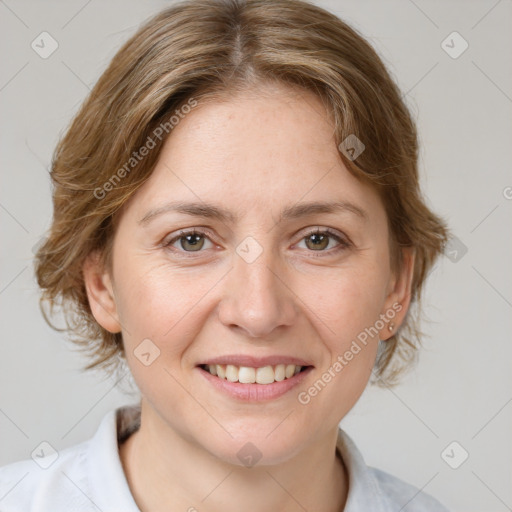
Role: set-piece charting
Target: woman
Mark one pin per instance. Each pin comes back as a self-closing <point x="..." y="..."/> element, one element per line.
<point x="237" y="218"/>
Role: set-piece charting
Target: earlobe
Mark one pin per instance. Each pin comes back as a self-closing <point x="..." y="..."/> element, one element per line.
<point x="100" y="293"/>
<point x="399" y="297"/>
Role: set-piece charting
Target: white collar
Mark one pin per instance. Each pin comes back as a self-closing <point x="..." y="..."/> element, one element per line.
<point x="104" y="467"/>
<point x="104" y="464"/>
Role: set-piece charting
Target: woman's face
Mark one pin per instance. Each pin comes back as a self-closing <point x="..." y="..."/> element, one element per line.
<point x="260" y="284"/>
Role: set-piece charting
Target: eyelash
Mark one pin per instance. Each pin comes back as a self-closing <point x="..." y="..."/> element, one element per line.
<point x="343" y="243"/>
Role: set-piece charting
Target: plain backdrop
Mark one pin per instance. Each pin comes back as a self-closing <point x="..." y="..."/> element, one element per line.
<point x="461" y="389"/>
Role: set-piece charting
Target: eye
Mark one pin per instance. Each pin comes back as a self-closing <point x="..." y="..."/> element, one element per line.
<point x="189" y="241"/>
<point x="316" y="241"/>
<point x="319" y="240"/>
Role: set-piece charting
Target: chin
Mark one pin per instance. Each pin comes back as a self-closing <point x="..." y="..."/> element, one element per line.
<point x="257" y="443"/>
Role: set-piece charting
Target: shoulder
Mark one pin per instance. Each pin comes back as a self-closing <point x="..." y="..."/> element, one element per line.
<point x="85" y="477"/>
<point x="45" y="478"/>
<point x="408" y="497"/>
<point x="374" y="489"/>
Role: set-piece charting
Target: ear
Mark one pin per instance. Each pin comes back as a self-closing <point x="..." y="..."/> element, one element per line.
<point x="100" y="293"/>
<point x="398" y="298"/>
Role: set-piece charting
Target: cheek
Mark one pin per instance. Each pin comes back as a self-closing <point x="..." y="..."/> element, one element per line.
<point x="351" y="303"/>
<point x="160" y="311"/>
<point x="349" y="308"/>
<point x="160" y="303"/>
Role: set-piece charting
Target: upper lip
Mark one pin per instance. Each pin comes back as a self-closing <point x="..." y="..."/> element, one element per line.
<point x="255" y="362"/>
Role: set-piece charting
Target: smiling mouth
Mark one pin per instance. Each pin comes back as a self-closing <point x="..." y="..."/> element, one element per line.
<point x="248" y="375"/>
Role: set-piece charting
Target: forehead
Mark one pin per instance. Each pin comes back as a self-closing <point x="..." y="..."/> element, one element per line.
<point x="255" y="150"/>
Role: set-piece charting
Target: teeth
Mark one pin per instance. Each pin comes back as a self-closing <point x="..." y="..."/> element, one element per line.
<point x="289" y="370"/>
<point x="265" y="375"/>
<point x="248" y="375"/>
<point x="280" y="372"/>
<point x="231" y="373"/>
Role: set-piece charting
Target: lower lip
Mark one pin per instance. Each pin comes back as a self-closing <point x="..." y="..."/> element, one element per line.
<point x="255" y="392"/>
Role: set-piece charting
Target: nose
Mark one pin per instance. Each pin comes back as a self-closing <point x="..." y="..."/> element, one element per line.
<point x="257" y="298"/>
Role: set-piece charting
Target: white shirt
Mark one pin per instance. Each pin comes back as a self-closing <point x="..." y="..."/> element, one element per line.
<point x="89" y="477"/>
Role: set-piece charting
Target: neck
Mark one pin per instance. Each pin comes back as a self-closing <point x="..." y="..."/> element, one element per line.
<point x="166" y="471"/>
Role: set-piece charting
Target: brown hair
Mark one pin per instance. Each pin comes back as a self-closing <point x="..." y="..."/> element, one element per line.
<point x="207" y="48"/>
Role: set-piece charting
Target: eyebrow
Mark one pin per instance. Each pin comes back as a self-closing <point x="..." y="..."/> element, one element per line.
<point x="207" y="210"/>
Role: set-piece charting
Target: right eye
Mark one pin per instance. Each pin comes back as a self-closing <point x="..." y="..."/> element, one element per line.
<point x="189" y="241"/>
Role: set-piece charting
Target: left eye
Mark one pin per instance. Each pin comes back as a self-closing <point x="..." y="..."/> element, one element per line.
<point x="319" y="240"/>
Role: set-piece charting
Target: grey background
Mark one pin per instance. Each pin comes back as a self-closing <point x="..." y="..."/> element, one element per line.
<point x="460" y="391"/>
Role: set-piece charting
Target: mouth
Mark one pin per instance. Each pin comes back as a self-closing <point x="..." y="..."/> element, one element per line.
<point x="264" y="375"/>
<point x="255" y="380"/>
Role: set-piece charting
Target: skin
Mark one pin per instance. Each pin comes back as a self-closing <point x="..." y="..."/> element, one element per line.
<point x="255" y="154"/>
